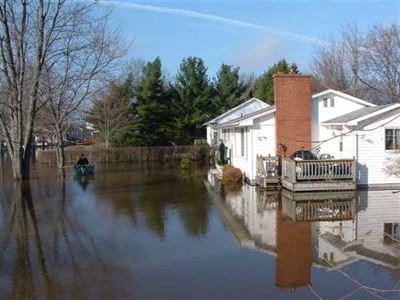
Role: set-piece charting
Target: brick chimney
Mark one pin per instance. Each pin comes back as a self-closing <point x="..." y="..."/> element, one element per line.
<point x="293" y="112"/>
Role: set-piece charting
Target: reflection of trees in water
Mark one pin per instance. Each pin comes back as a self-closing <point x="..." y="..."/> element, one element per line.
<point x="48" y="254"/>
<point x="187" y="195"/>
<point x="154" y="194"/>
<point x="20" y="230"/>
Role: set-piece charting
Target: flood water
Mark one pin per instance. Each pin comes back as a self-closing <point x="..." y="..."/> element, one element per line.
<point x="155" y="232"/>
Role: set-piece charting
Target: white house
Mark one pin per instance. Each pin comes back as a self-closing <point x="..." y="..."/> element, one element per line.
<point x="339" y="124"/>
<point x="367" y="132"/>
<point x="247" y="130"/>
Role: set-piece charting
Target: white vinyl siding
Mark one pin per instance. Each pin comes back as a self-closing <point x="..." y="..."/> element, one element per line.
<point x="372" y="156"/>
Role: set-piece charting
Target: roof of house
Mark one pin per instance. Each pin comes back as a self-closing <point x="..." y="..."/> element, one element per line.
<point x="253" y="115"/>
<point x="365" y="111"/>
<point x="343" y="95"/>
<point x="366" y="116"/>
<point x="235" y="109"/>
<point x="382" y="116"/>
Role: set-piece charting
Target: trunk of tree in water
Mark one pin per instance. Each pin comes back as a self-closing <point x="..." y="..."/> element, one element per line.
<point x="60" y="150"/>
<point x="21" y="163"/>
<point x="107" y="144"/>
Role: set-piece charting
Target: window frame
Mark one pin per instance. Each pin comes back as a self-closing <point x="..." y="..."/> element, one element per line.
<point x="325" y="102"/>
<point x="332" y="102"/>
<point x="395" y="144"/>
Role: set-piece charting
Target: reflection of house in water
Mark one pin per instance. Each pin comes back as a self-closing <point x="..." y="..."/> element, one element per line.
<point x="329" y="232"/>
<point x="377" y="226"/>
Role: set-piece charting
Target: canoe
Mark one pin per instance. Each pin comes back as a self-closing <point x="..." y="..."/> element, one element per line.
<point x="84" y="170"/>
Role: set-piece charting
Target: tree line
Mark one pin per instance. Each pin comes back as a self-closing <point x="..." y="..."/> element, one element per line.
<point x="144" y="109"/>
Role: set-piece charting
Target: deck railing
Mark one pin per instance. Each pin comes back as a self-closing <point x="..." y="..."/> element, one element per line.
<point x="334" y="169"/>
<point x="266" y="166"/>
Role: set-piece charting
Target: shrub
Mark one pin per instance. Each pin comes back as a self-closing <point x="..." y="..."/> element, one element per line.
<point x="186" y="163"/>
<point x="200" y="142"/>
<point x="231" y="175"/>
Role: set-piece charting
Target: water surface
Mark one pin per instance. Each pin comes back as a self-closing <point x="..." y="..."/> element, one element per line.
<point x="155" y="232"/>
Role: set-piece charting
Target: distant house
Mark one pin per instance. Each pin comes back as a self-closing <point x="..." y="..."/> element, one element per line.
<point x="76" y="132"/>
<point x="331" y="123"/>
<point x="80" y="132"/>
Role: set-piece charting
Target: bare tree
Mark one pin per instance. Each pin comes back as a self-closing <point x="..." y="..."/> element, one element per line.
<point x="83" y="58"/>
<point x="36" y="38"/>
<point x="110" y="112"/>
<point x="28" y="29"/>
<point x="329" y="66"/>
<point x="380" y="62"/>
<point x="365" y="65"/>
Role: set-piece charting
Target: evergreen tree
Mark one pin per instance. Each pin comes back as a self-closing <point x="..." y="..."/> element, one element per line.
<point x="228" y="89"/>
<point x="193" y="105"/>
<point x="265" y="87"/>
<point x="153" y="124"/>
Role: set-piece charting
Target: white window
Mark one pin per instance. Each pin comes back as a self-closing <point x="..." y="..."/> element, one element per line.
<point x="392" y="139"/>
<point x="325" y="102"/>
<point x="332" y="102"/>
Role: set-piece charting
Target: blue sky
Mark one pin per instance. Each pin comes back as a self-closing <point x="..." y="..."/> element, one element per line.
<point x="249" y="34"/>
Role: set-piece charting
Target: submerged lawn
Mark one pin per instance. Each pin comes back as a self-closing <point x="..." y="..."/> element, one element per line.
<point x="155" y="232"/>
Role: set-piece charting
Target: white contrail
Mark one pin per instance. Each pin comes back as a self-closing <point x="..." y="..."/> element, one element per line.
<point x="213" y="18"/>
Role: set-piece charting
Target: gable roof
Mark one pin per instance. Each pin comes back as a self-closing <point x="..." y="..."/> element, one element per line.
<point x="343" y="95"/>
<point x="254" y="115"/>
<point x="365" y="115"/>
<point x="379" y="117"/>
<point x="237" y="108"/>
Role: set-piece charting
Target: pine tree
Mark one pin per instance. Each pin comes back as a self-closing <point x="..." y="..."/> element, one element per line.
<point x="153" y="124"/>
<point x="264" y="86"/>
<point x="193" y="105"/>
<point x="228" y="89"/>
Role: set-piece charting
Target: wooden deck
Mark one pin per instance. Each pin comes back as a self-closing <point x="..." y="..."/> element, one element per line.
<point x="267" y="172"/>
<point x="319" y="175"/>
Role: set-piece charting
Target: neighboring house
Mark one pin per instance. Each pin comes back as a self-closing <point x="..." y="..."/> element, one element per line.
<point x="330" y="122"/>
<point x="80" y="132"/>
<point x="247" y="130"/>
<point x="75" y="132"/>
<point x="371" y="135"/>
<point x="243" y="109"/>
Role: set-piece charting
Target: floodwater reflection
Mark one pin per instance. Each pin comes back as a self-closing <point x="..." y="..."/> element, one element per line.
<point x="337" y="231"/>
<point x="155" y="232"/>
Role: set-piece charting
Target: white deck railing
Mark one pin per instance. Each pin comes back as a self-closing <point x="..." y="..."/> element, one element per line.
<point x="266" y="166"/>
<point x="334" y="169"/>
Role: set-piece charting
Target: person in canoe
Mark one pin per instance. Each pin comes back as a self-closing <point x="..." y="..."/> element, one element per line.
<point x="82" y="161"/>
<point x="82" y="166"/>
